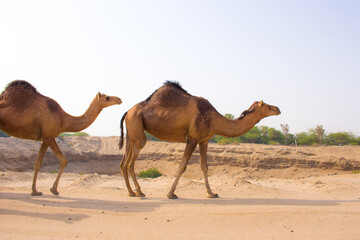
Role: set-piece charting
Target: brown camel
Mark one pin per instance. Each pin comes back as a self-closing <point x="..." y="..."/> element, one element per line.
<point x="25" y="113"/>
<point x="171" y="114"/>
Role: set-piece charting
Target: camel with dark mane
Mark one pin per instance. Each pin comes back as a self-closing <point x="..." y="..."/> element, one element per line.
<point x="171" y="114"/>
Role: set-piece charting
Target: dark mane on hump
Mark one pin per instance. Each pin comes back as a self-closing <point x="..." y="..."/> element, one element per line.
<point x="18" y="90"/>
<point x="175" y="85"/>
<point x="21" y="84"/>
<point x="168" y="83"/>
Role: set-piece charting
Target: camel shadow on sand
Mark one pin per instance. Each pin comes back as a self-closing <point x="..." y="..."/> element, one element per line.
<point x="68" y="206"/>
<point x="263" y="201"/>
<point x="66" y="209"/>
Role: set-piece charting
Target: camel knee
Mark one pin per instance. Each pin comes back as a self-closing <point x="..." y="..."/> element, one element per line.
<point x="124" y="170"/>
<point x="63" y="163"/>
<point x="141" y="144"/>
<point x="130" y="168"/>
<point x="182" y="169"/>
<point x="204" y="168"/>
<point x="122" y="165"/>
<point x="37" y="165"/>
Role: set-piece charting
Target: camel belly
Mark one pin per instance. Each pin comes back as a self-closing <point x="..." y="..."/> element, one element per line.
<point x="167" y="132"/>
<point x="16" y="129"/>
<point x="169" y="137"/>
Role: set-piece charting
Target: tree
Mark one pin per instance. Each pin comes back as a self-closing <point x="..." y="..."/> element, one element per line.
<point x="229" y="116"/>
<point x="2" y="134"/>
<point x="306" y="138"/>
<point x="76" y="134"/>
<point x="320" y="132"/>
<point x="275" y="136"/>
<point x="150" y="137"/>
<point x="341" y="138"/>
<point x="264" y="130"/>
<point x="285" y="130"/>
<point x="252" y="136"/>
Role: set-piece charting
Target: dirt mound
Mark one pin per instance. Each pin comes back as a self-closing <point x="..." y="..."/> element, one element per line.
<point x="101" y="155"/>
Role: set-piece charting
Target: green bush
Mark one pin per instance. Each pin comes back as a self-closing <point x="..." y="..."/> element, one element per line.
<point x="150" y="173"/>
<point x="79" y="134"/>
<point x="2" y="134"/>
<point x="341" y="138"/>
<point x="150" y="137"/>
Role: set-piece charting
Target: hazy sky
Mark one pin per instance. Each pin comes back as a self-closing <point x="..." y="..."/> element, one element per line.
<point x="302" y="56"/>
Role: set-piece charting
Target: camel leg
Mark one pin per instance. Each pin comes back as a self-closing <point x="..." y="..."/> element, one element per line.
<point x="204" y="167"/>
<point x="62" y="159"/>
<point x="124" y="165"/>
<point x="37" y="166"/>
<point x="136" y="151"/>
<point x="189" y="149"/>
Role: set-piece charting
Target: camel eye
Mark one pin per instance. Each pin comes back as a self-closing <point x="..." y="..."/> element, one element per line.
<point x="107" y="98"/>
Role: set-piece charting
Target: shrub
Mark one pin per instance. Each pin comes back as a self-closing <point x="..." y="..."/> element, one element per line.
<point x="223" y="141"/>
<point x="79" y="134"/>
<point x="2" y="134"/>
<point x="150" y="173"/>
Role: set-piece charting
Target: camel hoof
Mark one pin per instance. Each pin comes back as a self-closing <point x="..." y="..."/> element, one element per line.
<point x="132" y="194"/>
<point x="36" y="193"/>
<point x="140" y="194"/>
<point x="172" y="196"/>
<point x="213" y="195"/>
<point x="55" y="192"/>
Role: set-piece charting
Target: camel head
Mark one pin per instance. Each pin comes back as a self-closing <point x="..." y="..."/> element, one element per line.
<point x="107" y="101"/>
<point x="265" y="110"/>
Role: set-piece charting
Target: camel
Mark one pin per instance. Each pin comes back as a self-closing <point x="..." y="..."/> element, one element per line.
<point x="173" y="115"/>
<point x="27" y="114"/>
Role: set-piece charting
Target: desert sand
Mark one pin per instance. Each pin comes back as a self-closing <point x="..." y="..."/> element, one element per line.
<point x="266" y="192"/>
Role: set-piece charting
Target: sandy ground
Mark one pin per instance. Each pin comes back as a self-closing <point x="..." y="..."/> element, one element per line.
<point x="266" y="192"/>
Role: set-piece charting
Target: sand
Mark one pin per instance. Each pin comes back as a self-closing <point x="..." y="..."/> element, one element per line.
<point x="266" y="192"/>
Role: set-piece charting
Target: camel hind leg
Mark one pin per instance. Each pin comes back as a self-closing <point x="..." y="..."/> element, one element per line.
<point x="125" y="162"/>
<point x="132" y="150"/>
<point x="135" y="153"/>
<point x="37" y="166"/>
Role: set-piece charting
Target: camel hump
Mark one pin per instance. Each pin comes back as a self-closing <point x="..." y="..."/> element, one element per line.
<point x="172" y="87"/>
<point x="19" y="93"/>
<point x="175" y="84"/>
<point x="18" y="88"/>
<point x="21" y="84"/>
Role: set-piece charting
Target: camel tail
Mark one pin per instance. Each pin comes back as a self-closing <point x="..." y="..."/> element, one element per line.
<point x="121" y="141"/>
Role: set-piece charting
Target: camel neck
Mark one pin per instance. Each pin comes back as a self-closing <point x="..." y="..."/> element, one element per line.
<point x="237" y="127"/>
<point x="79" y="123"/>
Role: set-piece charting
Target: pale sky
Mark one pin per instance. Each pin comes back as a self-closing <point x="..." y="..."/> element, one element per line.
<point x="302" y="56"/>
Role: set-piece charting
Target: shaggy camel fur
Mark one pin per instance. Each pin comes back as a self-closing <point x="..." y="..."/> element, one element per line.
<point x="25" y="113"/>
<point x="171" y="114"/>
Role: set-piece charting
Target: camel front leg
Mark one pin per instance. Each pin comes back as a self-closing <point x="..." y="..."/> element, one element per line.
<point x="62" y="159"/>
<point x="204" y="167"/>
<point x="37" y="166"/>
<point x="189" y="149"/>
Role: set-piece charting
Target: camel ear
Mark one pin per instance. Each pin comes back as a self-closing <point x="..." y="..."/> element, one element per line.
<point x="260" y="104"/>
<point x="99" y="94"/>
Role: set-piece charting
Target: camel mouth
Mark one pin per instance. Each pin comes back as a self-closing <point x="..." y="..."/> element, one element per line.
<point x="118" y="101"/>
<point x="278" y="112"/>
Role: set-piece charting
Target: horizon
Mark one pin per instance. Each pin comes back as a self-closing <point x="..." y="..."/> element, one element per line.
<point x="300" y="56"/>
